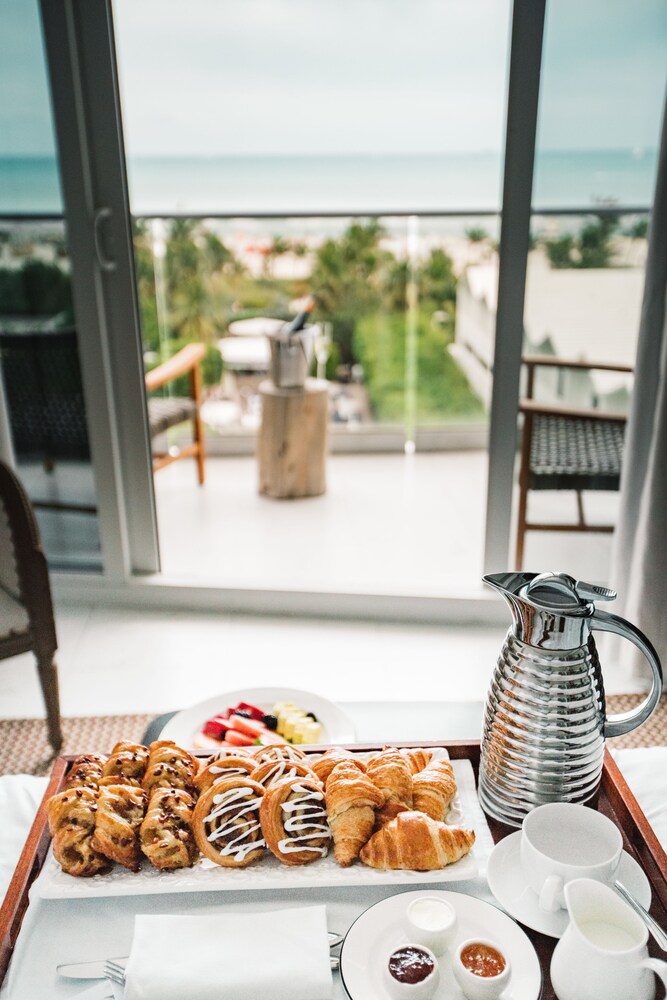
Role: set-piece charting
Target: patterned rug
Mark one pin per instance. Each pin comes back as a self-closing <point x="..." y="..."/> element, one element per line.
<point x="24" y="748"/>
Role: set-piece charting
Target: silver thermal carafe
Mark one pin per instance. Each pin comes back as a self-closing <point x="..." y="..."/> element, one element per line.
<point x="544" y="721"/>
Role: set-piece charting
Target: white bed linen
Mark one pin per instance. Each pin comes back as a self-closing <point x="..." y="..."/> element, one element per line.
<point x="20" y="795"/>
<point x="645" y="770"/>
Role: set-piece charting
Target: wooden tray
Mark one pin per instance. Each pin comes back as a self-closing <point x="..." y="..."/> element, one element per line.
<point x="615" y="800"/>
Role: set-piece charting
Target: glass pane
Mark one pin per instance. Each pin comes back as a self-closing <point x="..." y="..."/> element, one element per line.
<point x="600" y="108"/>
<point x="347" y="172"/>
<point x="41" y="377"/>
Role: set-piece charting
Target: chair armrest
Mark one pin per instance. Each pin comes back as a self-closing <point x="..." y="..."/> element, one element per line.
<point x="530" y="406"/>
<point x="547" y="361"/>
<point x="181" y="363"/>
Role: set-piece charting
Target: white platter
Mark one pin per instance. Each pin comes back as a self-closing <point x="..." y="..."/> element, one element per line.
<point x="381" y="929"/>
<point x="186" y="726"/>
<point x="269" y="873"/>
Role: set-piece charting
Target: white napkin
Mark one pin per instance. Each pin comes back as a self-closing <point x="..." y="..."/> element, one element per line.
<point x="281" y="955"/>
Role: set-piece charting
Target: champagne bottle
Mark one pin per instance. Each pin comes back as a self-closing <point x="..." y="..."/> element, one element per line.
<point x="299" y="320"/>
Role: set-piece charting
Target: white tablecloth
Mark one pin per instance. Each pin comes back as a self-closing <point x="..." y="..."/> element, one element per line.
<point x="56" y="931"/>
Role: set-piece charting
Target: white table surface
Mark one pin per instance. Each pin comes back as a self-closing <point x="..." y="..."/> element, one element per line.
<point x="56" y="931"/>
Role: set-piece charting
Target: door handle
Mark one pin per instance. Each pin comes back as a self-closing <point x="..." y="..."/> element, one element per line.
<point x="101" y="216"/>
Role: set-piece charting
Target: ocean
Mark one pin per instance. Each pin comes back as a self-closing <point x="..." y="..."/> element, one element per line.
<point x="386" y="184"/>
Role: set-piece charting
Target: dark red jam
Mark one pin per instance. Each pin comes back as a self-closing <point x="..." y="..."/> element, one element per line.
<point x="482" y="960"/>
<point x="411" y="965"/>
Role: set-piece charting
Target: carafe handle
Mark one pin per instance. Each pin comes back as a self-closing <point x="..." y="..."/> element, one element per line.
<point x="617" y="725"/>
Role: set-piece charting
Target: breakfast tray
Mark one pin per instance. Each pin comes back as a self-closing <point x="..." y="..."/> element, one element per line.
<point x="615" y="800"/>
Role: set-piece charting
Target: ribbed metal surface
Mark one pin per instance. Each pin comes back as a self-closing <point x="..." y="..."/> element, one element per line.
<point x="543" y="730"/>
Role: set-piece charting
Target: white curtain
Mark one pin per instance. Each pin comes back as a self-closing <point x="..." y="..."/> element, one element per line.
<point x="639" y="570"/>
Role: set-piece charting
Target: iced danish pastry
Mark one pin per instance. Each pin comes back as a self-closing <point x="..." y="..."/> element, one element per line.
<point x="228" y="766"/>
<point x="86" y="771"/>
<point x="126" y="760"/>
<point x="278" y="751"/>
<point x="272" y="771"/>
<point x="71" y="816"/>
<point x="325" y="765"/>
<point x="415" y="842"/>
<point x="166" y="836"/>
<point x="169" y="766"/>
<point x="226" y="822"/>
<point x="351" y="799"/>
<point x="120" y="813"/>
<point x="294" y="820"/>
<point x="390" y="772"/>
<point x="433" y="789"/>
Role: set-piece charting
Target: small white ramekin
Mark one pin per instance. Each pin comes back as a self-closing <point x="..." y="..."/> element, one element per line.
<point x="422" y="990"/>
<point x="480" y="987"/>
<point x="439" y="937"/>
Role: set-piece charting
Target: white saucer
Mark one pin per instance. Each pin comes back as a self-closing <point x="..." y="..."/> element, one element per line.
<point x="381" y="928"/>
<point x="508" y="884"/>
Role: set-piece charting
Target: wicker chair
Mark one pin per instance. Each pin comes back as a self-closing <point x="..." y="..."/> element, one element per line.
<point x="566" y="448"/>
<point x="47" y="412"/>
<point x="26" y="611"/>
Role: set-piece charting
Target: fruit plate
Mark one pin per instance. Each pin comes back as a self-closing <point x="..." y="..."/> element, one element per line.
<point x="269" y="873"/>
<point x="185" y="727"/>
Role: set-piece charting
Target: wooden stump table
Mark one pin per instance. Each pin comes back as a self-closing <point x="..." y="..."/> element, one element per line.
<point x="292" y="442"/>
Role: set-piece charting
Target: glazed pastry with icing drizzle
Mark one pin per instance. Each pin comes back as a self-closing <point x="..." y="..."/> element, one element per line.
<point x="294" y="820"/>
<point x="227" y="766"/>
<point x="272" y="771"/>
<point x="226" y="822"/>
<point x="278" y="751"/>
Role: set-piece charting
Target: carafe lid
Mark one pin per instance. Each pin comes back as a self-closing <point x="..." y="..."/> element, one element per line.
<point x="560" y="593"/>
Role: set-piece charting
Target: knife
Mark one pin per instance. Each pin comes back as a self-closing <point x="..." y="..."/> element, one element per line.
<point x="87" y="970"/>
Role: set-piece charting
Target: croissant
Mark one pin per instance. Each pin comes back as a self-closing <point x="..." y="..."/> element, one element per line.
<point x="227" y="766"/>
<point x="71" y="817"/>
<point x="278" y="751"/>
<point x="86" y="771"/>
<point x="166" y="835"/>
<point x="390" y="772"/>
<point x="351" y="799"/>
<point x="126" y="760"/>
<point x="433" y="789"/>
<point x="120" y="812"/>
<point x="169" y="767"/>
<point x="272" y="771"/>
<point x="325" y="765"/>
<point x="417" y="758"/>
<point x="415" y="842"/>
<point x="294" y="820"/>
<point x="226" y="822"/>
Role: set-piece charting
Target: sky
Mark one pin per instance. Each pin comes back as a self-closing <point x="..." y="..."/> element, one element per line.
<point x="233" y="77"/>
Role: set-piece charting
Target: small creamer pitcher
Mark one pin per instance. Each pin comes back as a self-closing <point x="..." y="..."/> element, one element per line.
<point x="545" y="722"/>
<point x="603" y="955"/>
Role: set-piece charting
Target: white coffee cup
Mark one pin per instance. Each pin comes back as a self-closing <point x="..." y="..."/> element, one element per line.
<point x="560" y="842"/>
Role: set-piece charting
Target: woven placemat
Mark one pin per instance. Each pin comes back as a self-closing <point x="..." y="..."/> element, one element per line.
<point x="24" y="748"/>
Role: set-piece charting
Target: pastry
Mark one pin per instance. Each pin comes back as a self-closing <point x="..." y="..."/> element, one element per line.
<point x="278" y="751"/>
<point x="415" y="842"/>
<point x="390" y="772"/>
<point x="433" y="789"/>
<point x="169" y="766"/>
<point x="226" y="822"/>
<point x="417" y="758"/>
<point x="294" y="820"/>
<point x="85" y="771"/>
<point x="351" y="800"/>
<point x="227" y="766"/>
<point x="126" y="760"/>
<point x="272" y="771"/>
<point x="166" y="836"/>
<point x="71" y="816"/>
<point x="325" y="765"/>
<point x="120" y="813"/>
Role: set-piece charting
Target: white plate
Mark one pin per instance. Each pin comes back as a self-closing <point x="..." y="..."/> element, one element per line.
<point x="508" y="884"/>
<point x="268" y="873"/>
<point x="186" y="726"/>
<point x="380" y="929"/>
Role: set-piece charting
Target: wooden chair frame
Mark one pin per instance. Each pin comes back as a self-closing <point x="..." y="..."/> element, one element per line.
<point x="531" y="408"/>
<point x="185" y="362"/>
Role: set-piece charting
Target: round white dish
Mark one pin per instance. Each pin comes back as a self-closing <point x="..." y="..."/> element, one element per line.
<point x="186" y="726"/>
<point x="508" y="884"/>
<point x="382" y="928"/>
